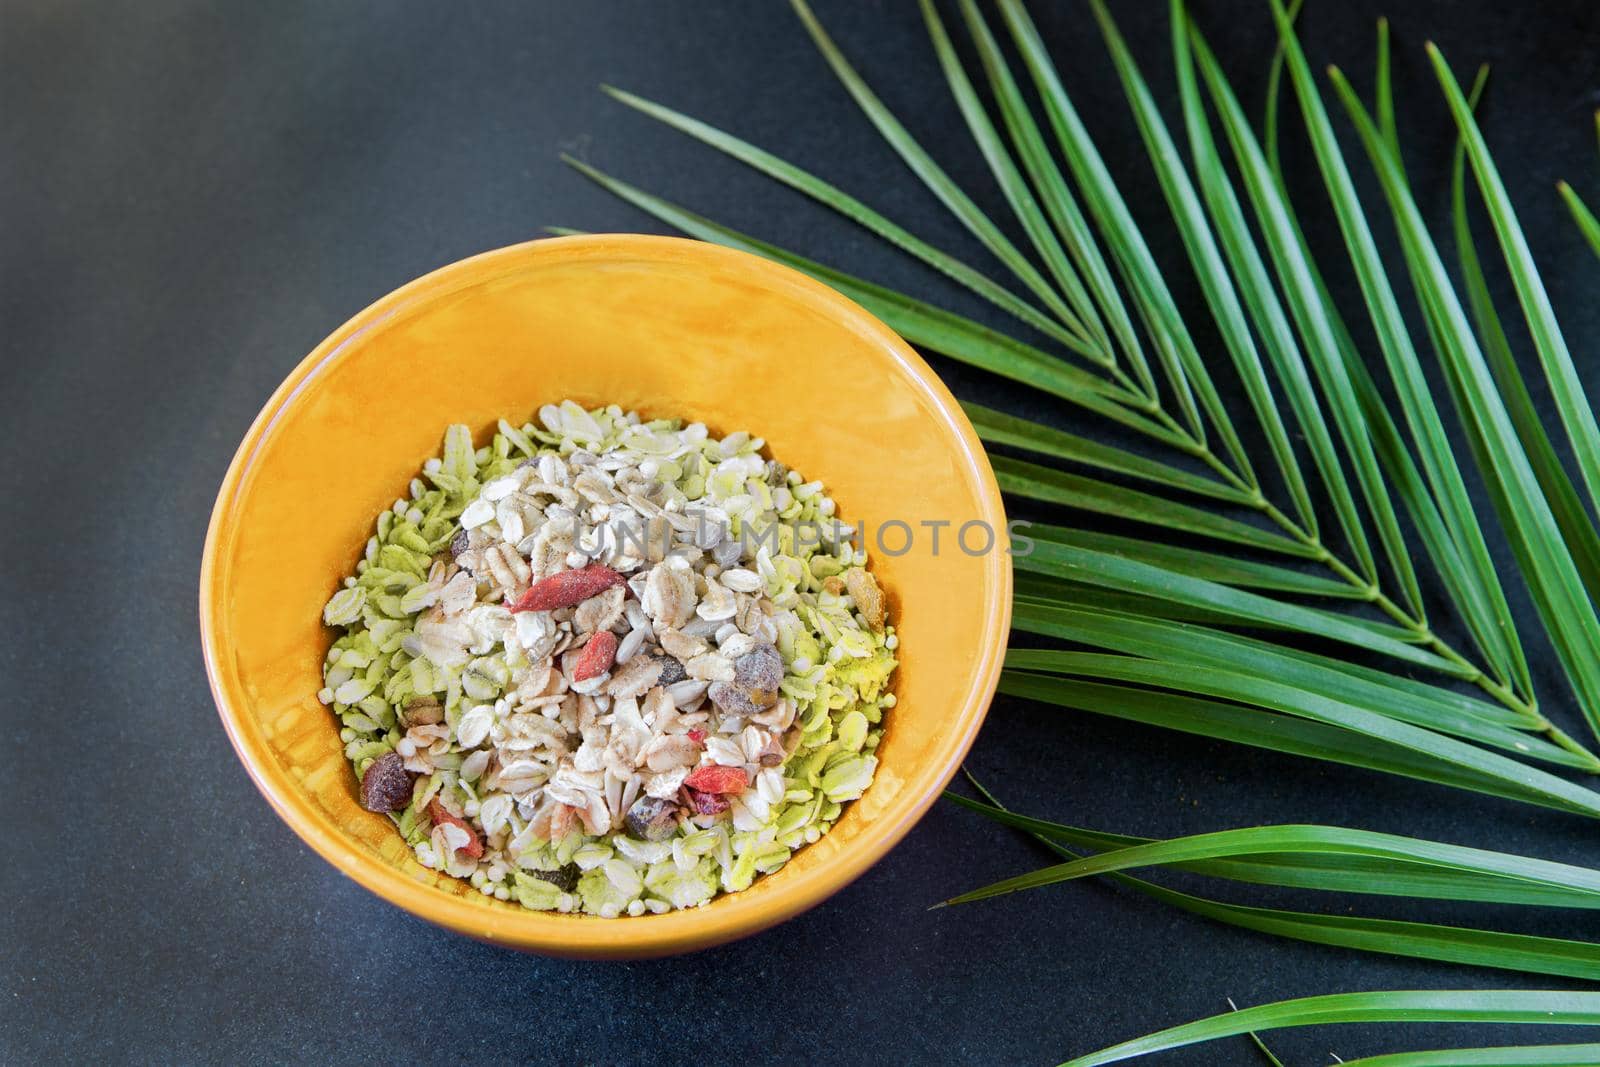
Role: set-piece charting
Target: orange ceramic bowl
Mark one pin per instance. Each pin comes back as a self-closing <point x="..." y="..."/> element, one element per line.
<point x="666" y="327"/>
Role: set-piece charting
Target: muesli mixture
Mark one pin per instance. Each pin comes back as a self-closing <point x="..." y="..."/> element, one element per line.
<point x="610" y="665"/>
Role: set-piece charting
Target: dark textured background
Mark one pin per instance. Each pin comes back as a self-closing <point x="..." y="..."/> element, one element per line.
<point x="192" y="196"/>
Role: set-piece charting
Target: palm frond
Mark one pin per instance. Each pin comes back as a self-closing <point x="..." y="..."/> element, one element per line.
<point x="1215" y="281"/>
<point x="1259" y="728"/>
<point x="1389" y="864"/>
<point x="1345" y="873"/>
<point x="1503" y="1006"/>
<point x="1338" y="872"/>
<point x="1547" y="563"/>
<point x="1565" y="386"/>
<point x="1365" y="459"/>
<point x="999" y="428"/>
<point x="1280" y="608"/>
<point x="932" y="175"/>
<point x="1341" y="871"/>
<point x="1493" y="628"/>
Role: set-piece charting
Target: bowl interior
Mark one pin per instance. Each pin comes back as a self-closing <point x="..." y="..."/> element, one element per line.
<point x="666" y="327"/>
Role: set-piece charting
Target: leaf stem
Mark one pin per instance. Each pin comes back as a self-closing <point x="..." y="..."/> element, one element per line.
<point x="1374" y="595"/>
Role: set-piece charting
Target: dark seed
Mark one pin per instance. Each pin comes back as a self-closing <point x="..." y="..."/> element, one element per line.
<point x="759" y="672"/>
<point x="671" y="671"/>
<point x="458" y="543"/>
<point x="387" y="784"/>
<point x="652" y="819"/>
<point x="732" y="700"/>
<point x="563" y="878"/>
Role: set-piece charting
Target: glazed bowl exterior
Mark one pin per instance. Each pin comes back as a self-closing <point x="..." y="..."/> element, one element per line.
<point x="665" y="326"/>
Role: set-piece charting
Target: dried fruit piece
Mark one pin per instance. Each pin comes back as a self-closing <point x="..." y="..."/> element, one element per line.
<point x="759" y="672"/>
<point x="440" y="814"/>
<point x="458" y="543"/>
<point x="652" y="818"/>
<point x="596" y="657"/>
<point x="567" y="589"/>
<point x="697" y="735"/>
<point x="714" y="778"/>
<point x="868" y="597"/>
<point x="387" y="784"/>
<point x="707" y="803"/>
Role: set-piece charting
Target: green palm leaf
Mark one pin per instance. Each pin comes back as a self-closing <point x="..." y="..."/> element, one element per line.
<point x="1269" y="118"/>
<point x="1030" y="480"/>
<point x="1208" y="265"/>
<point x="1339" y="871"/>
<point x="1427" y="430"/>
<point x="1538" y="1007"/>
<point x="1281" y="609"/>
<point x="1460" y="570"/>
<point x="932" y="175"/>
<point x="1116" y="572"/>
<point x="1551" y="346"/>
<point x="1309" y="675"/>
<point x="1279" y="733"/>
<point x="1513" y="1056"/>
<point x="1587" y="223"/>
<point x="1547" y="564"/>
<point x="1060" y="204"/>
<point x="1400" y="854"/>
<point x="807" y="183"/>
<point x="999" y="428"/>
<point x="1027" y="210"/>
<point x="1419" y="940"/>
<point x="1308" y="312"/>
<point x="1198" y="563"/>
<point x="1570" y="516"/>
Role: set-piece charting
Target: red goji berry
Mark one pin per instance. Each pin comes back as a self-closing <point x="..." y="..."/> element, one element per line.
<point x="596" y="657"/>
<point x="567" y="589"/>
<point x="713" y="778"/>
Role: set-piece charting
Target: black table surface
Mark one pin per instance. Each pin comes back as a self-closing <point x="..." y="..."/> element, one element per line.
<point x="193" y="195"/>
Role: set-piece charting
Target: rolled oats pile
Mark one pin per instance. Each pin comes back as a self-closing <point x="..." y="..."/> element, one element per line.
<point x="610" y="665"/>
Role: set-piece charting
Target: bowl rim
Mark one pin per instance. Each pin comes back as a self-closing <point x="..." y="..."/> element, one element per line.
<point x="569" y="935"/>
